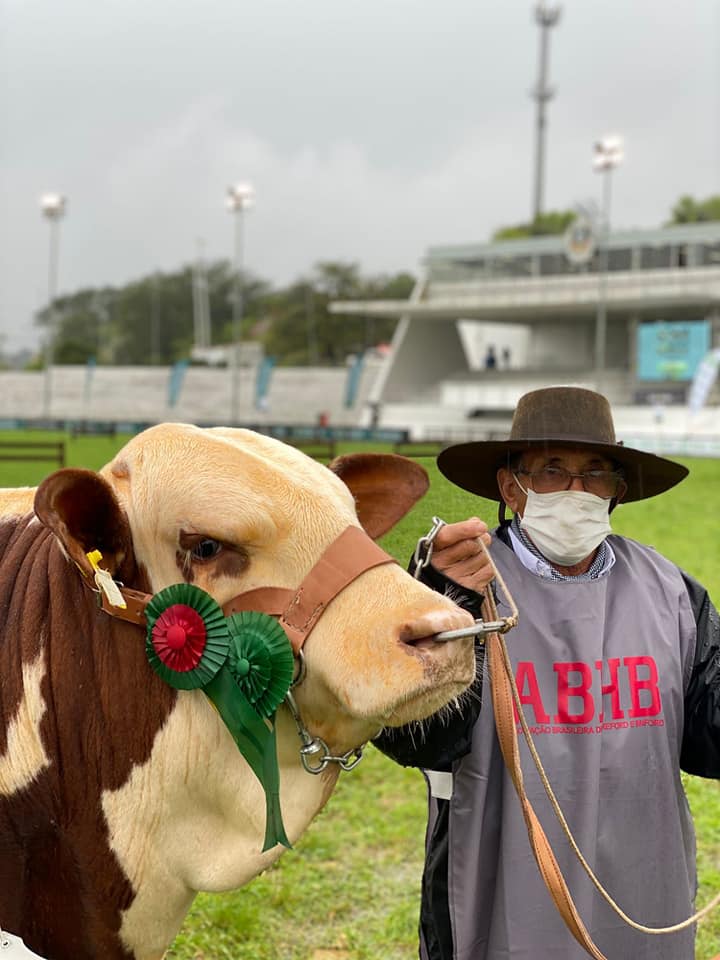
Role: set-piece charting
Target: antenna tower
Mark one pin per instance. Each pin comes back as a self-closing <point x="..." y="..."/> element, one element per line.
<point x="546" y="18"/>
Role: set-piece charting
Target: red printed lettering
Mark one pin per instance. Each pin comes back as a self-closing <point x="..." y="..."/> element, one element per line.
<point x="579" y="690"/>
<point x="525" y="677"/>
<point x="647" y="685"/>
<point x="611" y="689"/>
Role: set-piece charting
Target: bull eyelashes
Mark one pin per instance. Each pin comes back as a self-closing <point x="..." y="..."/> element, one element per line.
<point x="244" y="665"/>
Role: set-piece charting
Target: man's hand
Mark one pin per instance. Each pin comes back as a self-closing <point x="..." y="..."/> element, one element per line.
<point x="457" y="553"/>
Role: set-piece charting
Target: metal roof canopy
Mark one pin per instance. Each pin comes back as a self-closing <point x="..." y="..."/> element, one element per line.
<point x="675" y="235"/>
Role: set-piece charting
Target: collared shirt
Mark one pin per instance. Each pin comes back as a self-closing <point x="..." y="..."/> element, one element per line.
<point x="531" y="558"/>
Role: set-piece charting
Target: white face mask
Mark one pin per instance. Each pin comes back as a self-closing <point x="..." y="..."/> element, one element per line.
<point x="565" y="526"/>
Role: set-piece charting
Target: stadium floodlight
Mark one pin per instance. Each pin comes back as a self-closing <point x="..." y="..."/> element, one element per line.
<point x="608" y="153"/>
<point x="53" y="207"/>
<point x="239" y="198"/>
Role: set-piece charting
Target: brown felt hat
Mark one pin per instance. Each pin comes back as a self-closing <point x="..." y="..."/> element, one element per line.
<point x="559" y="416"/>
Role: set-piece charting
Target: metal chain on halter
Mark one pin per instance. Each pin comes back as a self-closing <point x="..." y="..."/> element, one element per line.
<point x="314" y="752"/>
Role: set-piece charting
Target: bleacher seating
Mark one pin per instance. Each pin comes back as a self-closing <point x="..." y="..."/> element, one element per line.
<point x="126" y="397"/>
<point x="140" y="394"/>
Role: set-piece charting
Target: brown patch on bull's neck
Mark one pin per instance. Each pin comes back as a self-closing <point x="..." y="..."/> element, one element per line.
<point x="61" y="888"/>
<point x="23" y="548"/>
<point x="43" y="873"/>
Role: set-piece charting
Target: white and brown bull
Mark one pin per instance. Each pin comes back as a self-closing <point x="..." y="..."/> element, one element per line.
<point x="121" y="797"/>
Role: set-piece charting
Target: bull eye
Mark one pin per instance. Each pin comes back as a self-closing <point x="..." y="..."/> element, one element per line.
<point x="206" y="549"/>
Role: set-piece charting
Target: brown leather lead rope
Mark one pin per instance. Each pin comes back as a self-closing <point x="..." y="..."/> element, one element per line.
<point x="507" y="736"/>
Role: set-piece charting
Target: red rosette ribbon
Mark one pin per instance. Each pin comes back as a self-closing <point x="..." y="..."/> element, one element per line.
<point x="179" y="637"/>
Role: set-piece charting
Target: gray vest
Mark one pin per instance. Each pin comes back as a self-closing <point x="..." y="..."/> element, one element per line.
<point x="601" y="666"/>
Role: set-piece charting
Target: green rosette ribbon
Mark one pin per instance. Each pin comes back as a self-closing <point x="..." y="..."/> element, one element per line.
<point x="261" y="660"/>
<point x="244" y="664"/>
<point x="246" y="693"/>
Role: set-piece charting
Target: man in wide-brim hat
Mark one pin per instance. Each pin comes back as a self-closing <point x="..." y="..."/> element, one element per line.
<point x="617" y="661"/>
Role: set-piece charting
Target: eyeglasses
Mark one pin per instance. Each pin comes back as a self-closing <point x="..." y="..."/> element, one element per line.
<point x="603" y="483"/>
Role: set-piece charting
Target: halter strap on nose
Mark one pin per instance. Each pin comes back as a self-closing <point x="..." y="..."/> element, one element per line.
<point x="348" y="556"/>
<point x="351" y="554"/>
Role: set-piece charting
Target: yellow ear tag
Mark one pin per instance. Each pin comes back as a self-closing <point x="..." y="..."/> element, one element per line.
<point x="104" y="581"/>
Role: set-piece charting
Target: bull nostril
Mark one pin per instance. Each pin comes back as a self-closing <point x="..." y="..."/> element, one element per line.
<point x="425" y="628"/>
<point x="406" y="634"/>
<point x="412" y="633"/>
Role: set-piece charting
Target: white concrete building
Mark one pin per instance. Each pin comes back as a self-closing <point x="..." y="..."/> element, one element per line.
<point x="662" y="296"/>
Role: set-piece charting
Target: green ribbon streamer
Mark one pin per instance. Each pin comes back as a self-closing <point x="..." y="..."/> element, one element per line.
<point x="257" y="743"/>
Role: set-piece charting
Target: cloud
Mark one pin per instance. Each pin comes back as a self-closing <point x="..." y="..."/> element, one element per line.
<point x="362" y="143"/>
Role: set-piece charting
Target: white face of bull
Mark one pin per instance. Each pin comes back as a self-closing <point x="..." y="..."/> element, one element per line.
<point x="231" y="511"/>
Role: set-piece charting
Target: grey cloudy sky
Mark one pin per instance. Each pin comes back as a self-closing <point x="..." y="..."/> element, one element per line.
<point x="370" y="130"/>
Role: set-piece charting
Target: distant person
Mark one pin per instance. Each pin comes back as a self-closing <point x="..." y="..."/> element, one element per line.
<point x="490" y="358"/>
<point x="506" y="357"/>
<point x="374" y="415"/>
<point x="617" y="662"/>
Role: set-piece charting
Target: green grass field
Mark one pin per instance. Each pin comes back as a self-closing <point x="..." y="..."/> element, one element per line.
<point x="350" y="888"/>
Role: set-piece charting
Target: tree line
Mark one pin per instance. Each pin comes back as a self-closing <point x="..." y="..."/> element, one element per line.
<point x="150" y="321"/>
<point x="686" y="210"/>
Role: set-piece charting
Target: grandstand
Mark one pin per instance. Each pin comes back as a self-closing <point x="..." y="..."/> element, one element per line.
<point x="523" y="298"/>
<point x="662" y="295"/>
<point x="132" y="397"/>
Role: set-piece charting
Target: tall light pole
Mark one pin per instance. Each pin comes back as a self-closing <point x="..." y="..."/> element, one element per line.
<point x="239" y="198"/>
<point x="607" y="154"/>
<point x="53" y="208"/>
<point x="546" y="18"/>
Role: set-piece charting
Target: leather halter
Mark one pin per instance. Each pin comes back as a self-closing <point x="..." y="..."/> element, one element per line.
<point x="349" y="555"/>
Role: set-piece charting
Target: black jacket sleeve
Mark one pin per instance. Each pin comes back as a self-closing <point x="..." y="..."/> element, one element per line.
<point x="700" y="754"/>
<point x="434" y="744"/>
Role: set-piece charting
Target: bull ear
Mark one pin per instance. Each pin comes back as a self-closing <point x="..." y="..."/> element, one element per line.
<point x="80" y="508"/>
<point x="385" y="487"/>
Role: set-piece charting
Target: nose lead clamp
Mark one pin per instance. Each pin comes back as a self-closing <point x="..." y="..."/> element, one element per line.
<point x="481" y="628"/>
